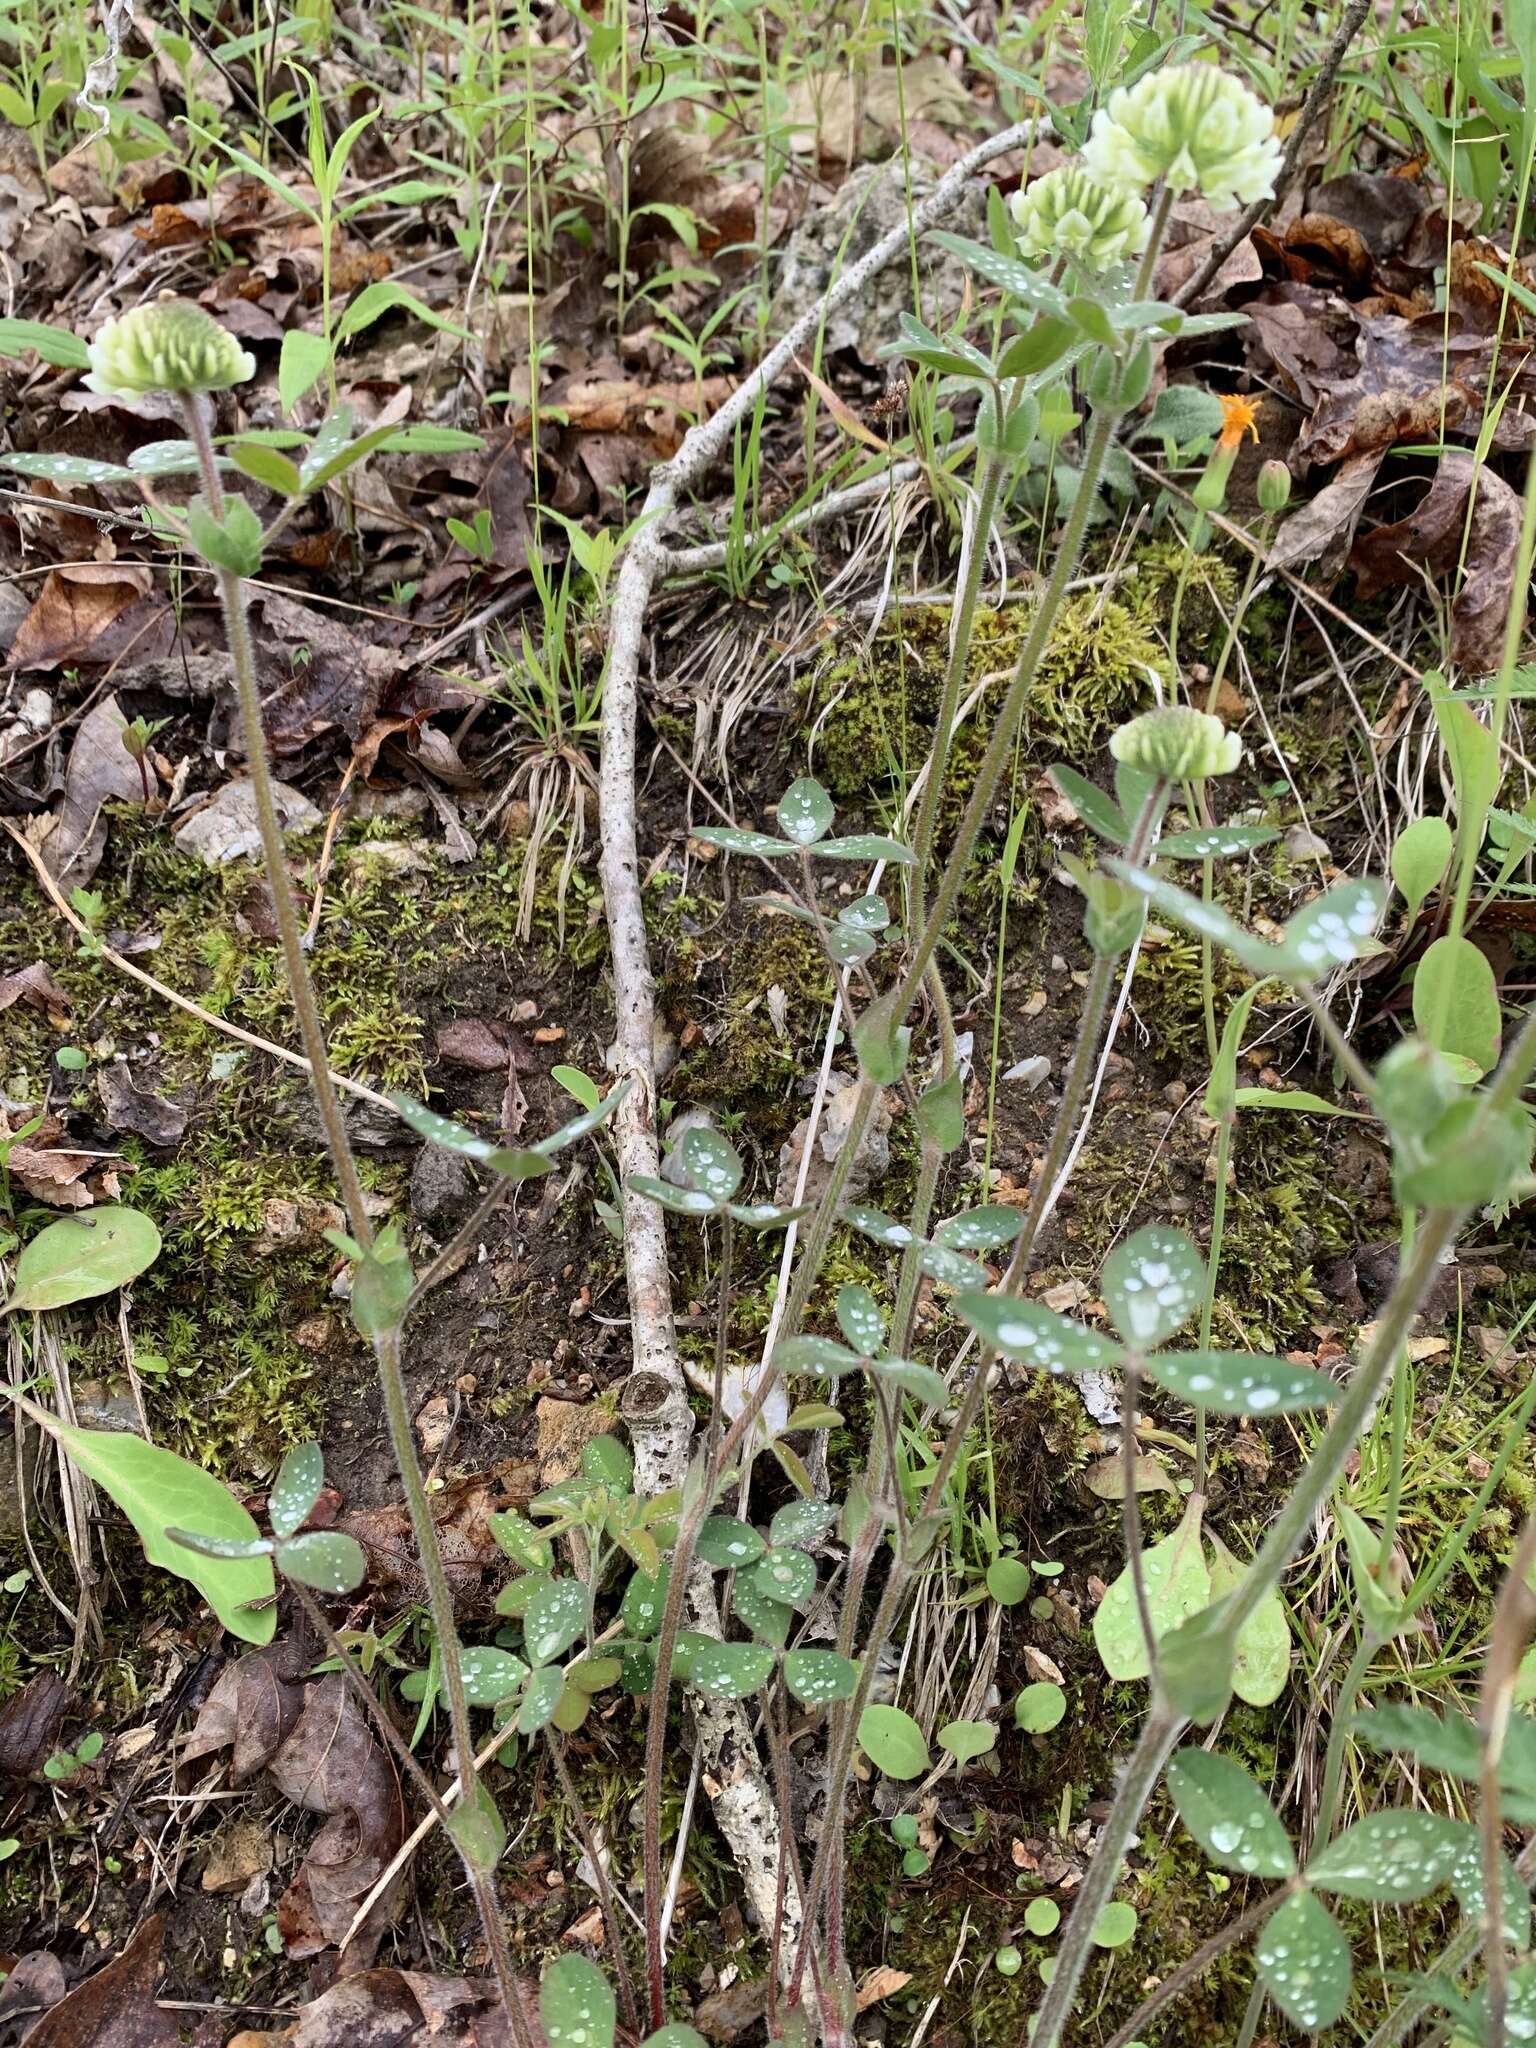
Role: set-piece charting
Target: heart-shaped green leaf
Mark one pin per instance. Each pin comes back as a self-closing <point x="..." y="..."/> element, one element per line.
<point x="1033" y="1335"/>
<point x="966" y="1740"/>
<point x="708" y="1161"/>
<point x="1226" y="1810"/>
<point x="1241" y="1383"/>
<point x="1153" y="1284"/>
<point x="729" y="1671"/>
<point x="788" y="1575"/>
<point x="1303" y="1958"/>
<point x="491" y="1675"/>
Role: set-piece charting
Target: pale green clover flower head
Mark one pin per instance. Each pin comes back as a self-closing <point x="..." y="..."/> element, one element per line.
<point x="1177" y="744"/>
<point x="1068" y="213"/>
<point x="167" y="345"/>
<point x="1196" y="128"/>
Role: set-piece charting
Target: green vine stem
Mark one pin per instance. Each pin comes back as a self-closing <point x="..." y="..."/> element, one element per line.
<point x="1514" y="1614"/>
<point x="386" y="1345"/>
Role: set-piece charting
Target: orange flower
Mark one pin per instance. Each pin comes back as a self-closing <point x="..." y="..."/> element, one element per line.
<point x="1238" y="417"/>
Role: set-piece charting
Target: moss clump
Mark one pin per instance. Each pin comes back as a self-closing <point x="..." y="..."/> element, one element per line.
<point x="750" y="1059"/>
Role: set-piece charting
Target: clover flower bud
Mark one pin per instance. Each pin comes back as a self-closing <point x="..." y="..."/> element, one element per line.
<point x="1195" y="127"/>
<point x="166" y="345"/>
<point x="1274" y="487"/>
<point x="1177" y="744"/>
<point x="1067" y="213"/>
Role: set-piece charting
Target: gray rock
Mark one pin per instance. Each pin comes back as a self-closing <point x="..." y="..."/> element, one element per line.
<point x="870" y="1162"/>
<point x="833" y="238"/>
<point x="442" y="1184"/>
<point x="226" y="829"/>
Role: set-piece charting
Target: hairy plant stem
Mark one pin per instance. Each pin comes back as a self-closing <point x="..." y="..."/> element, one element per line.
<point x="1437" y="1231"/>
<point x="1159" y="1732"/>
<point x="990" y="771"/>
<point x="627" y="2007"/>
<point x="386" y="1344"/>
<point x="1450" y="1962"/>
<point x="988" y="486"/>
<point x="1514" y="1613"/>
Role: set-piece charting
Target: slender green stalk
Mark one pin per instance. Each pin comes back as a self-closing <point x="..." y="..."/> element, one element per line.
<point x="988" y="485"/>
<point x="386" y="1345"/>
<point x="1513" y="1615"/>
<point x="1224" y="1133"/>
<point x="1338" y="1739"/>
<point x="993" y="761"/>
<point x="611" y="1923"/>
<point x="1159" y="1732"/>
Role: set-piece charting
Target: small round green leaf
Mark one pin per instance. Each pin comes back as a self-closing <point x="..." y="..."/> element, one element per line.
<point x="1115" y="1926"/>
<point x="729" y="1671"/>
<point x="805" y="812"/>
<point x="787" y="1575"/>
<point x="893" y="1742"/>
<point x="981" y="1230"/>
<point x="818" y="1677"/>
<point x="708" y="1162"/>
<point x="541" y="1696"/>
<point x="1009" y="1580"/>
<point x="1040" y="1707"/>
<point x="1042" y="1917"/>
<point x="491" y="1675"/>
<point x="920" y="1381"/>
<point x="605" y="1459"/>
<point x="815" y="1355"/>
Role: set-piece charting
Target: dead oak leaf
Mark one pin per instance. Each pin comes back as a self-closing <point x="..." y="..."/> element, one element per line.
<point x="30" y="1722"/>
<point x="74" y="615"/>
<point x="100" y="771"/>
<point x="35" y="985"/>
<point x="116" y="2007"/>
<point x="132" y="1108"/>
<point x="332" y="1764"/>
<point x="1438" y="536"/>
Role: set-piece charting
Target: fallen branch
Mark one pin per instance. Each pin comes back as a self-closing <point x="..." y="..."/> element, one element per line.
<point x="654" y="1403"/>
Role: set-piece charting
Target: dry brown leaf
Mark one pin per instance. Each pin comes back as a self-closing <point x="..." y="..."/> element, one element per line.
<point x="880" y="1982"/>
<point x="250" y="1710"/>
<point x="35" y="985"/>
<point x="1439" y="537"/>
<point x="1324" y="526"/>
<point x="30" y="1722"/>
<point x="100" y="771"/>
<point x="332" y="1764"/>
<point x="462" y="1513"/>
<point x="132" y="1108"/>
<point x="116" y="2007"/>
<point x="74" y="615"/>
